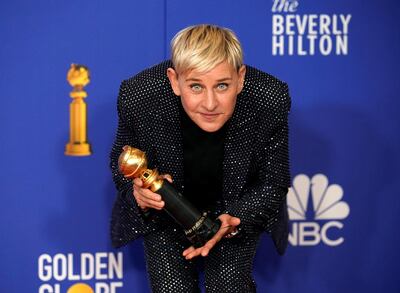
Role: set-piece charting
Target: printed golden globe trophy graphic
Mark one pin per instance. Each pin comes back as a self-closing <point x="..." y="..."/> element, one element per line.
<point x="78" y="78"/>
<point x="198" y="227"/>
<point x="80" y="288"/>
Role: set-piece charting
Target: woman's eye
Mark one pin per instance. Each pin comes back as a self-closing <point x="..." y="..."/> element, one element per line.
<point x="195" y="87"/>
<point x="222" y="86"/>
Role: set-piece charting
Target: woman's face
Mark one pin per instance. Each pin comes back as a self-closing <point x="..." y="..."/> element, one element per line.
<point x="208" y="98"/>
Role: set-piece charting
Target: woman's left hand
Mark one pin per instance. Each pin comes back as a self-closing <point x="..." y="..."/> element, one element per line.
<point x="228" y="226"/>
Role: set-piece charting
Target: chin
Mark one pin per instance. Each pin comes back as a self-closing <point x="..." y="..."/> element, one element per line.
<point x="210" y="127"/>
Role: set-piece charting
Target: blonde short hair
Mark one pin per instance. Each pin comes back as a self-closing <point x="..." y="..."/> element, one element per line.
<point x="204" y="46"/>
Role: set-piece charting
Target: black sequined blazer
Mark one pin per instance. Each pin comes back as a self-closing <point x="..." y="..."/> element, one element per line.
<point x="255" y="168"/>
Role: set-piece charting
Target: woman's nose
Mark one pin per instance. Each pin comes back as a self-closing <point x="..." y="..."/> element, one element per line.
<point x="210" y="101"/>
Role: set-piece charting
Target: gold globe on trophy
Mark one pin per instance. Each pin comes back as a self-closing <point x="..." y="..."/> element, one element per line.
<point x="78" y="78"/>
<point x="133" y="164"/>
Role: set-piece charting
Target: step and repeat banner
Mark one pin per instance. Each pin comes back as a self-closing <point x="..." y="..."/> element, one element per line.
<point x="341" y="61"/>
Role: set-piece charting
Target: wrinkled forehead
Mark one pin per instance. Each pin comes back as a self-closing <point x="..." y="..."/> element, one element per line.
<point x="221" y="68"/>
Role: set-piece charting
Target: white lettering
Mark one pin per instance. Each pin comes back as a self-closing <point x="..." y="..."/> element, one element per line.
<point x="285" y="6"/>
<point x="310" y="234"/>
<point x="300" y="50"/>
<point x="102" y="288"/>
<point x="115" y="267"/>
<point x="59" y="267"/>
<point x="71" y="275"/>
<point x="46" y="288"/>
<point x="107" y="288"/>
<point x="342" y="45"/>
<point x="309" y="230"/>
<point x="278" y="43"/>
<point x="324" y="24"/>
<point x="312" y="24"/>
<point x="87" y="266"/>
<point x="290" y="24"/>
<point x="324" y="236"/>
<point x="335" y="29"/>
<point x="310" y="33"/>
<point x="325" y="45"/>
<point x="114" y="286"/>
<point x="100" y="265"/>
<point x="290" y="45"/>
<point x="301" y="23"/>
<point x="345" y="21"/>
<point x="277" y="24"/>
<point x="294" y="235"/>
<point x="44" y="270"/>
<point x="311" y="44"/>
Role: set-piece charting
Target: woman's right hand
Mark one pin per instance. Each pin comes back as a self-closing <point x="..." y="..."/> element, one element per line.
<point x="145" y="198"/>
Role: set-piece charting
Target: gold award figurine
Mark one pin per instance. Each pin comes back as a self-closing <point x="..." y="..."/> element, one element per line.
<point x="78" y="78"/>
<point x="198" y="227"/>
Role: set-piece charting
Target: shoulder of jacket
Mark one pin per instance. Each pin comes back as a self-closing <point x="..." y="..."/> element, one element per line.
<point x="264" y="91"/>
<point x="147" y="85"/>
<point x="156" y="72"/>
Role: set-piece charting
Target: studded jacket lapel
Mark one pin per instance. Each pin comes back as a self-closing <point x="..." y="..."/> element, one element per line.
<point x="238" y="147"/>
<point x="167" y="137"/>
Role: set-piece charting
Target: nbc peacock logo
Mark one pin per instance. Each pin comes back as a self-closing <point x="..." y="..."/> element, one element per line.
<point x="324" y="206"/>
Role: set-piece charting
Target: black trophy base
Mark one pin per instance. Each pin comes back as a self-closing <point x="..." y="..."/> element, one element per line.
<point x="204" y="232"/>
<point x="198" y="227"/>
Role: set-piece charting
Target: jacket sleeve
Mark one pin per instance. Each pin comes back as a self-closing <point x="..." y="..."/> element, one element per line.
<point x="261" y="203"/>
<point x="128" y="222"/>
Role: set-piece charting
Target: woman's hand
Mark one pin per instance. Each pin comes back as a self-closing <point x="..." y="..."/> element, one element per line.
<point x="145" y="198"/>
<point x="228" y="227"/>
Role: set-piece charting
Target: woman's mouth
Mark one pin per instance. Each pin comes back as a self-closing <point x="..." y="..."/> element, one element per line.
<point x="209" y="116"/>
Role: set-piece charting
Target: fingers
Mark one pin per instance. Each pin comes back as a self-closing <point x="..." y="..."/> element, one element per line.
<point x="230" y="224"/>
<point x="145" y="198"/>
<point x="234" y="221"/>
<point x="148" y="199"/>
<point x="138" y="182"/>
<point x="228" y="227"/>
<point x="188" y="251"/>
<point x="227" y="220"/>
<point x="192" y="252"/>
<point x="167" y="176"/>
<point x="209" y="245"/>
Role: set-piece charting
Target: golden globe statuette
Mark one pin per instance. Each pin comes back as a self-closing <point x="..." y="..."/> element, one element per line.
<point x="78" y="77"/>
<point x="198" y="227"/>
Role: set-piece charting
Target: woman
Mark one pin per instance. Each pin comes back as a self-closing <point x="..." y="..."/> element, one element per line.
<point x="219" y="128"/>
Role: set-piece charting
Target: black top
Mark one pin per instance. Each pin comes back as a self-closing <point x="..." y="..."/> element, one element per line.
<point x="203" y="156"/>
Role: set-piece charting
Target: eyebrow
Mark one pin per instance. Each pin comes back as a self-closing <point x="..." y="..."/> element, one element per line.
<point x="218" y="80"/>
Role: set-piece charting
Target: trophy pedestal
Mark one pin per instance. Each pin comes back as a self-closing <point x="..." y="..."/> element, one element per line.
<point x="77" y="149"/>
<point x="78" y="77"/>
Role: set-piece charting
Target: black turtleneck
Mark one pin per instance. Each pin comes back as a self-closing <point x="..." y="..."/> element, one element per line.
<point x="203" y="156"/>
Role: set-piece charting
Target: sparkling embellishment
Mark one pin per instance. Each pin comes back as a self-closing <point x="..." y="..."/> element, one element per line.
<point x="255" y="170"/>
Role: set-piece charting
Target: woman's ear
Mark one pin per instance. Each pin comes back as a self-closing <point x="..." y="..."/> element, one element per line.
<point x="173" y="79"/>
<point x="241" y="74"/>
